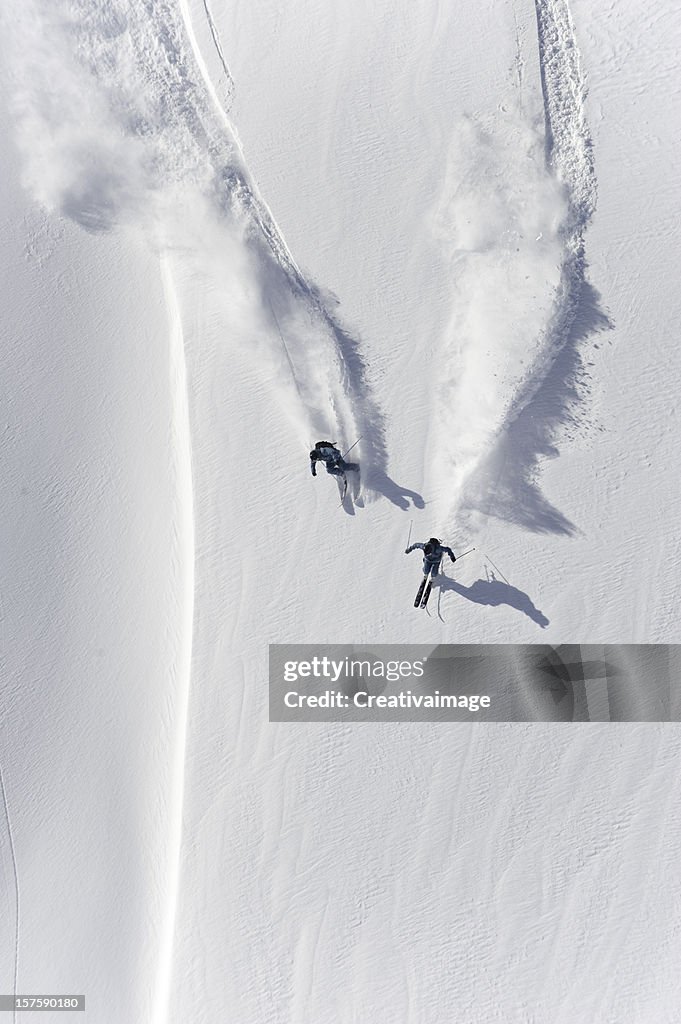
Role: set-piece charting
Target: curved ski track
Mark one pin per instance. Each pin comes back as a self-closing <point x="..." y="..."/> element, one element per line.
<point x="569" y="156"/>
<point x="363" y="409"/>
<point x="506" y="483"/>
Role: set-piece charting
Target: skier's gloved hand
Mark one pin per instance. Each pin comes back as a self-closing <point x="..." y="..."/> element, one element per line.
<point x="313" y="469"/>
<point x="453" y="558"/>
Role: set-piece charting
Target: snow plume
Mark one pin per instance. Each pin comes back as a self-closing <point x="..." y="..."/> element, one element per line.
<point x="500" y="218"/>
<point x="100" y="138"/>
<point x="120" y="126"/>
<point x="517" y="199"/>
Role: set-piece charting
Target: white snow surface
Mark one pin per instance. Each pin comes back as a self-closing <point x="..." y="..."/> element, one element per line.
<point x="229" y="230"/>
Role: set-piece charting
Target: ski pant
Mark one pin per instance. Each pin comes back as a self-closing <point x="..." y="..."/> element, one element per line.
<point x="431" y="567"/>
<point x="338" y="468"/>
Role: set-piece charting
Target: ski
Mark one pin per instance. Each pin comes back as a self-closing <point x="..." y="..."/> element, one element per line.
<point x="419" y="595"/>
<point x="342" y="490"/>
<point x="426" y="594"/>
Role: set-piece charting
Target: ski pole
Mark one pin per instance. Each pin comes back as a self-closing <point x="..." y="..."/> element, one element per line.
<point x="352" y="446"/>
<point x="465" y="553"/>
<point x="411" y="523"/>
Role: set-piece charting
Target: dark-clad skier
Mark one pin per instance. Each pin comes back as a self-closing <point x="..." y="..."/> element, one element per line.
<point x="433" y="551"/>
<point x="327" y="453"/>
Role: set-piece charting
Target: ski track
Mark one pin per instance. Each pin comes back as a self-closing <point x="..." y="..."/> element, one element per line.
<point x="569" y="156"/>
<point x="514" y="222"/>
<point x="186" y="556"/>
<point x="218" y="49"/>
<point x="568" y="142"/>
<point x="368" y="421"/>
<point x="15" y="876"/>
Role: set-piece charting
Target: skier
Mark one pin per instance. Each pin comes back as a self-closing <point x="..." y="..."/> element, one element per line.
<point x="433" y="551"/>
<point x="326" y="452"/>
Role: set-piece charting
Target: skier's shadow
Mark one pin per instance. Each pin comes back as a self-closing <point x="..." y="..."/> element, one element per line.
<point x="494" y="592"/>
<point x="378" y="480"/>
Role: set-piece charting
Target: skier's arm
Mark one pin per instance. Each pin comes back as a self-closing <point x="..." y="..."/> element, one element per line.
<point x="313" y="462"/>
<point x="413" y="547"/>
<point x="449" y="552"/>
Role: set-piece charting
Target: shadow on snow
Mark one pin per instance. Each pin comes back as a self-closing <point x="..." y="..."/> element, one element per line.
<point x="494" y="593"/>
<point x="506" y="485"/>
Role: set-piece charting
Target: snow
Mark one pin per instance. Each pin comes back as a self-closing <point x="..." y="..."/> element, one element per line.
<point x="229" y="230"/>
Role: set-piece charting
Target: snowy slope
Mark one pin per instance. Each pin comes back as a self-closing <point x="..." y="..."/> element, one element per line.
<point x="92" y="660"/>
<point x="242" y="228"/>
